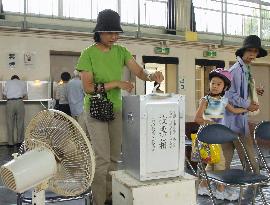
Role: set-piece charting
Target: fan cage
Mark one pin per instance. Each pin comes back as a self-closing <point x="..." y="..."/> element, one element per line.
<point x="8" y="178"/>
<point x="65" y="138"/>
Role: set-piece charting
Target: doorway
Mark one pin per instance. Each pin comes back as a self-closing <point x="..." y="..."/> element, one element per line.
<point x="169" y="68"/>
<point x="202" y="69"/>
<point x="61" y="61"/>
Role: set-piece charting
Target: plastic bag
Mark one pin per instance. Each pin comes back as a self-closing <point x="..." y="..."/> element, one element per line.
<point x="253" y="96"/>
<point x="210" y="153"/>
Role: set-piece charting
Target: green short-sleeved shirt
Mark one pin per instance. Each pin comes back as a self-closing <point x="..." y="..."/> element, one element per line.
<point x="105" y="67"/>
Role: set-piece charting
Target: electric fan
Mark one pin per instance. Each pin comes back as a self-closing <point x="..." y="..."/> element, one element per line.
<point x="58" y="157"/>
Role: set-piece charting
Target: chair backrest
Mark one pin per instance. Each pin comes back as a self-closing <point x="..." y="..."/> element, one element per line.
<point x="262" y="130"/>
<point x="216" y="134"/>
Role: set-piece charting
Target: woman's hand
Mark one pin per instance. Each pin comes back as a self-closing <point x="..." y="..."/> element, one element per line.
<point x="125" y="85"/>
<point x="253" y="106"/>
<point x="157" y="76"/>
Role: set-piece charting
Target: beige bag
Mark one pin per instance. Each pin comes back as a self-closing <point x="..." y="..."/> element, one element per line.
<point x="253" y="96"/>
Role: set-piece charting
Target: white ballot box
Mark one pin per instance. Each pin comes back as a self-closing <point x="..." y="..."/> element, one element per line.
<point x="127" y="190"/>
<point x="154" y="135"/>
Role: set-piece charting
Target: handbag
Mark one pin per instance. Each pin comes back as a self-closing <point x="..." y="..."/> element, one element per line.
<point x="101" y="108"/>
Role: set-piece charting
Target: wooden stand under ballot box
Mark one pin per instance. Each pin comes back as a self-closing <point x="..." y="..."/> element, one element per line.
<point x="126" y="190"/>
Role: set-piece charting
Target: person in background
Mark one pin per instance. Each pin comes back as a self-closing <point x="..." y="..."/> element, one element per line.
<point x="240" y="95"/>
<point x="211" y="110"/>
<point x="75" y="95"/>
<point x="61" y="94"/>
<point x="103" y="63"/>
<point x="15" y="90"/>
<point x="2" y="15"/>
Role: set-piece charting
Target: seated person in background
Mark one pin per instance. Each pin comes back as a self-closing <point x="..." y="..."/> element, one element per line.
<point x="14" y="91"/>
<point x="61" y="94"/>
<point x="158" y="87"/>
<point x="211" y="110"/>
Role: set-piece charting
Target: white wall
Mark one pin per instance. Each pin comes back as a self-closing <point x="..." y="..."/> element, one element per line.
<point x="41" y="44"/>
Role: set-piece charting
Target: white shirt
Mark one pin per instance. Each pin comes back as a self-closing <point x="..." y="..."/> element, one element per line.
<point x="61" y="93"/>
<point x="15" y="89"/>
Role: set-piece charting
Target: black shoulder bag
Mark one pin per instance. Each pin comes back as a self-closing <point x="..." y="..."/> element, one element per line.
<point x="101" y="108"/>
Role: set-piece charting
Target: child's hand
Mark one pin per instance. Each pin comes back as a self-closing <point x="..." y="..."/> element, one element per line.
<point x="208" y="122"/>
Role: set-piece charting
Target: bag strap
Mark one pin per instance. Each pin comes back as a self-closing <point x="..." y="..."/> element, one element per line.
<point x="99" y="88"/>
<point x="95" y="88"/>
<point x="102" y="88"/>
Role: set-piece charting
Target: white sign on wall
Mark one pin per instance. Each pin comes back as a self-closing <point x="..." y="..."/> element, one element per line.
<point x="11" y="60"/>
<point x="28" y="58"/>
<point x="182" y="85"/>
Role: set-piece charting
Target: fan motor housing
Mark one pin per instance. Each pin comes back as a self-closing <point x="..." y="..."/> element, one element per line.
<point x="154" y="136"/>
<point x="29" y="170"/>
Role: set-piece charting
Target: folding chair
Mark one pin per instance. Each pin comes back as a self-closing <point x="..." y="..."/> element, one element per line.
<point x="262" y="132"/>
<point x="219" y="134"/>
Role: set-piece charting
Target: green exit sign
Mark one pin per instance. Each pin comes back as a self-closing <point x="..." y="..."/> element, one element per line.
<point x="210" y="53"/>
<point x="162" y="50"/>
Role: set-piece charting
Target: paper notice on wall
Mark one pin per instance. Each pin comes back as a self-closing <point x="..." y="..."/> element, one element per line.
<point x="11" y="60"/>
<point x="28" y="58"/>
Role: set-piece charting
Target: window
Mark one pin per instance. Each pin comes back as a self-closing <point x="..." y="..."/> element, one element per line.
<point x="99" y="5"/>
<point x="87" y="9"/>
<point x="240" y="17"/>
<point x="265" y="17"/>
<point x="13" y="5"/>
<point x="153" y="12"/>
<point x="77" y="9"/>
<point x="208" y="15"/>
<point x="48" y="7"/>
<point x="208" y="21"/>
<point x="129" y="11"/>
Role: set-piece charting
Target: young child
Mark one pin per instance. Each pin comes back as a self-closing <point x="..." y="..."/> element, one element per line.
<point x="211" y="110"/>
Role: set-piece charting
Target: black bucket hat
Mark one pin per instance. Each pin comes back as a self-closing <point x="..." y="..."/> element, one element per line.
<point x="252" y="41"/>
<point x="108" y="21"/>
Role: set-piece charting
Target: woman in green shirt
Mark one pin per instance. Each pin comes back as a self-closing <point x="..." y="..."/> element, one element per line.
<point x="103" y="62"/>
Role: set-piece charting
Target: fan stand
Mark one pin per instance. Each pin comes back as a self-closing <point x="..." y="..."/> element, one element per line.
<point x="38" y="194"/>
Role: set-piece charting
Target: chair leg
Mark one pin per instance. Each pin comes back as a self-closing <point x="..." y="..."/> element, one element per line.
<point x="87" y="201"/>
<point x="90" y="197"/>
<point x="262" y="195"/>
<point x="211" y="192"/>
<point x="190" y="166"/>
<point x="255" y="187"/>
<point x="240" y="195"/>
<point x="19" y="199"/>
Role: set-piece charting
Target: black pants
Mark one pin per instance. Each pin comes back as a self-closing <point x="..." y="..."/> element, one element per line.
<point x="65" y="108"/>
